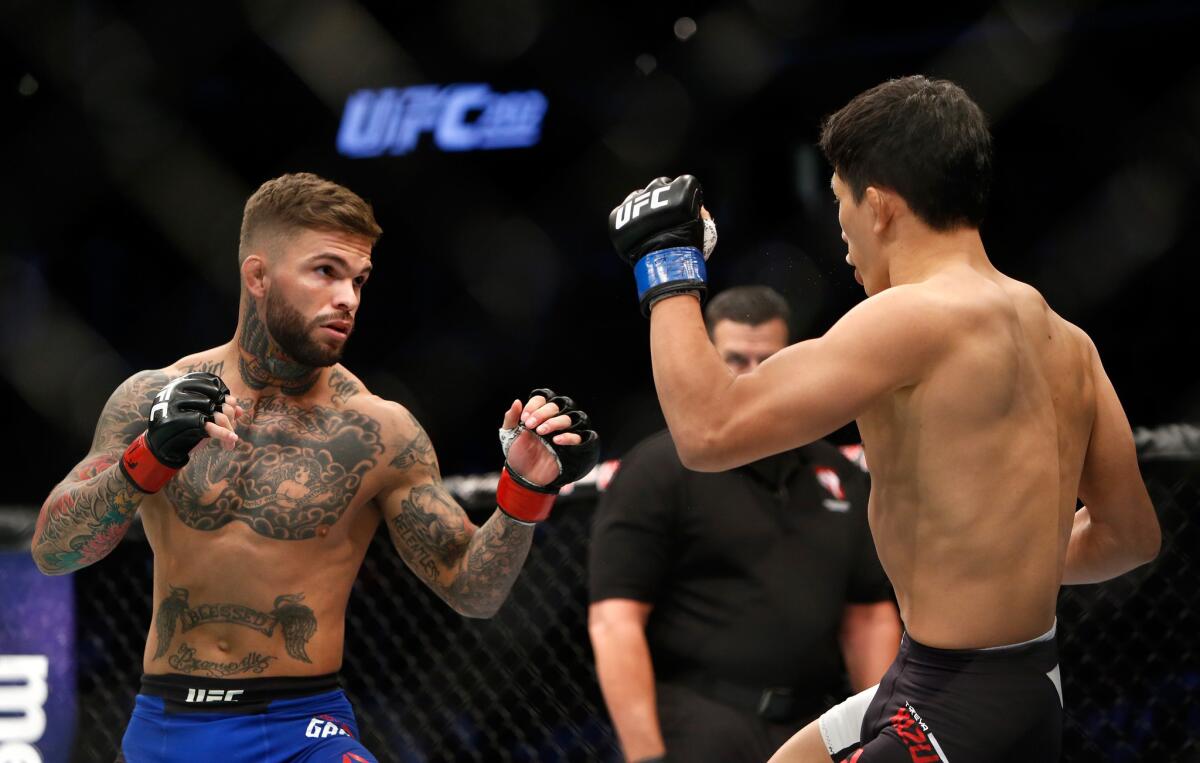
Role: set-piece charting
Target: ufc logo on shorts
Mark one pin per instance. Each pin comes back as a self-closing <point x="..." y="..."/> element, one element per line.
<point x="213" y="695"/>
<point x="319" y="728"/>
<point x="633" y="207"/>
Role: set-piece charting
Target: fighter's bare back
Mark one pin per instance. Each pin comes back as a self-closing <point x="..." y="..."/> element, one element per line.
<point x="984" y="417"/>
<point x="975" y="468"/>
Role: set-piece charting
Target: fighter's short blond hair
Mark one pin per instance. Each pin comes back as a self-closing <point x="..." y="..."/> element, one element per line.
<point x="302" y="200"/>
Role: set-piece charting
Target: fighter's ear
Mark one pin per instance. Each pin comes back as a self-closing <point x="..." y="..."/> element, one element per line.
<point x="254" y="274"/>
<point x="882" y="204"/>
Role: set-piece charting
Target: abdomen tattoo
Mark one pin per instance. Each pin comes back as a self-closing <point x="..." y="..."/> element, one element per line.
<point x="294" y="620"/>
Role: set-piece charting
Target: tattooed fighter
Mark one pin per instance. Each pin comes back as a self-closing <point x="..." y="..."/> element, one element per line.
<point x="261" y="470"/>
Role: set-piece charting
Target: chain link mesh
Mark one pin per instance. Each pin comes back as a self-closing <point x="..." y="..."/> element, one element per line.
<point x="1130" y="647"/>
<point x="429" y="685"/>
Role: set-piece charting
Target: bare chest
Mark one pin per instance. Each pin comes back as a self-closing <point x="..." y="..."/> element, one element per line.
<point x="296" y="470"/>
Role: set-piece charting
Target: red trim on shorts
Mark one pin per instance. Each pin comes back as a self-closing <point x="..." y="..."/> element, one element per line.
<point x="519" y="502"/>
<point x="914" y="738"/>
<point x="337" y="722"/>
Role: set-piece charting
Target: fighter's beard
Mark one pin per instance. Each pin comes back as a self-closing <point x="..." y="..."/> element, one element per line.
<point x="263" y="363"/>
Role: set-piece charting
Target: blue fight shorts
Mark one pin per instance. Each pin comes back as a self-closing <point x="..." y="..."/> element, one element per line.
<point x="266" y="720"/>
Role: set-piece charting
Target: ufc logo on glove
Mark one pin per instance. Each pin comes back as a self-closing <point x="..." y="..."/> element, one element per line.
<point x="663" y="231"/>
<point x="163" y="399"/>
<point x="633" y="206"/>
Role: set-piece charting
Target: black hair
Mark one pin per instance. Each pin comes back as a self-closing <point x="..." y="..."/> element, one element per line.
<point x="923" y="138"/>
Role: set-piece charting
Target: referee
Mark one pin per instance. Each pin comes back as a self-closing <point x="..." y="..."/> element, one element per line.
<point x="729" y="609"/>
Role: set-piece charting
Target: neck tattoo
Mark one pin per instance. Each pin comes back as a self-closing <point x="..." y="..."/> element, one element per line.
<point x="263" y="364"/>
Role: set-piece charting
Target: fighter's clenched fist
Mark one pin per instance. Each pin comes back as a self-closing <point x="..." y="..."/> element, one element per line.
<point x="665" y="233"/>
<point x="185" y="411"/>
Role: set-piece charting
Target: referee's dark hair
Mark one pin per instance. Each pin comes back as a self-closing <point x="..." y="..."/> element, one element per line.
<point x="752" y="305"/>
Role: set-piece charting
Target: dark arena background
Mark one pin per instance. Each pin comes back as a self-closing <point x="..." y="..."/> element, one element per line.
<point x="492" y="139"/>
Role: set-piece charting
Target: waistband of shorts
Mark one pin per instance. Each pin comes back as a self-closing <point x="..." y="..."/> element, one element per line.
<point x="181" y="693"/>
<point x="1040" y="653"/>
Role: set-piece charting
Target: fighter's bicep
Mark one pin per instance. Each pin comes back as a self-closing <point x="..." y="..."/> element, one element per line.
<point x="124" y="415"/>
<point x="814" y="387"/>
<point x="411" y="452"/>
<point x="805" y="390"/>
<point x="121" y="420"/>
<point x="428" y="529"/>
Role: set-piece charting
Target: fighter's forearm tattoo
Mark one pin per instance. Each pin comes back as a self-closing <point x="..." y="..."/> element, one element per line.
<point x="493" y="561"/>
<point x="184" y="661"/>
<point x="472" y="571"/>
<point x="83" y="521"/>
<point x="296" y="622"/>
<point x="262" y="364"/>
<point x="89" y="512"/>
<point x="295" y="471"/>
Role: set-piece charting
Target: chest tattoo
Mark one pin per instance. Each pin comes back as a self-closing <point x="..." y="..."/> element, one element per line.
<point x="294" y="470"/>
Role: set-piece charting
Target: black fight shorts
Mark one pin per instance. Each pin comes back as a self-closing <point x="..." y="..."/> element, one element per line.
<point x="961" y="705"/>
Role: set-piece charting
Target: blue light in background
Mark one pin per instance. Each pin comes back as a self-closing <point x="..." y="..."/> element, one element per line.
<point x="462" y="117"/>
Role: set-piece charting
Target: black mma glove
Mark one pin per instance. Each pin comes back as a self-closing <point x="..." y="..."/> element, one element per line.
<point x="175" y="426"/>
<point x="659" y="231"/>
<point x="526" y="502"/>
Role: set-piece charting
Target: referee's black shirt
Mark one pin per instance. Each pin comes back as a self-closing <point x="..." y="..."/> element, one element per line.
<point x="748" y="570"/>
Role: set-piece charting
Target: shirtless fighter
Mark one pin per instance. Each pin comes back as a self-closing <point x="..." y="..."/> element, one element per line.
<point x="258" y="536"/>
<point x="984" y="415"/>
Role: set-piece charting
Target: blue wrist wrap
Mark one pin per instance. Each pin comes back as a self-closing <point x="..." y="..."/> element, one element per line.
<point x="681" y="263"/>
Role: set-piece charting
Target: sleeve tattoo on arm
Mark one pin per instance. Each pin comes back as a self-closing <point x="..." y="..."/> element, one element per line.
<point x="89" y="512"/>
<point x="492" y="563"/>
<point x="416" y="451"/>
<point x="472" y="569"/>
<point x="431" y="532"/>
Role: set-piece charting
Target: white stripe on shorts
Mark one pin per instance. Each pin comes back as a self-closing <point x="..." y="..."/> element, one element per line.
<point x="841" y="725"/>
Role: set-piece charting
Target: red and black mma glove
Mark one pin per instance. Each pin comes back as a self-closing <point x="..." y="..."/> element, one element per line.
<point x="175" y="426"/>
<point x="527" y="502"/>
<point x="659" y="231"/>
